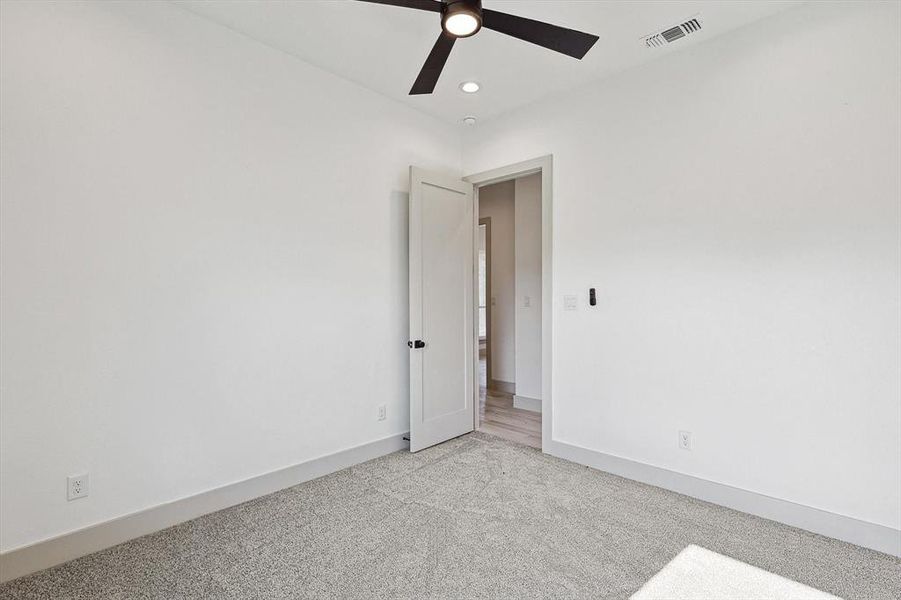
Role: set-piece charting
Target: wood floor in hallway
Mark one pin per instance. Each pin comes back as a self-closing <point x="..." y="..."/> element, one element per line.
<point x="498" y="416"/>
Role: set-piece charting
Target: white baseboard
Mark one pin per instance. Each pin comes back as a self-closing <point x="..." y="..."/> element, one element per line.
<point x="507" y="387"/>
<point x="848" y="529"/>
<point x="526" y="403"/>
<point x="66" y="547"/>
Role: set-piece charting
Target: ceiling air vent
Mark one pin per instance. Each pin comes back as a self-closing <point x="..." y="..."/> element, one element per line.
<point x="668" y="36"/>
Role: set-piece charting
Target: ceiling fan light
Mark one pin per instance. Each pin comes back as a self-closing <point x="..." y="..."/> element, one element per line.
<point x="462" y="18"/>
<point x="461" y="24"/>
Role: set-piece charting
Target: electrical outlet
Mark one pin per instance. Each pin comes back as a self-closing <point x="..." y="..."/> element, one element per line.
<point x="570" y="302"/>
<point x="77" y="486"/>
<point x="685" y="440"/>
<point x="383" y="412"/>
<point x="527" y="301"/>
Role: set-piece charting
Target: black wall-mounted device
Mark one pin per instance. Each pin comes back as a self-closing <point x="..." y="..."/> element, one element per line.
<point x="592" y="298"/>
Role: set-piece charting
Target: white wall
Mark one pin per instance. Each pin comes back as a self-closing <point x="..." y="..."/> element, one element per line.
<point x="203" y="259"/>
<point x="527" y="230"/>
<point x="496" y="202"/>
<point x="737" y="207"/>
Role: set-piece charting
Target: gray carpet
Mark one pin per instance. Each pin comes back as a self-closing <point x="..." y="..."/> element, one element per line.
<point x="476" y="517"/>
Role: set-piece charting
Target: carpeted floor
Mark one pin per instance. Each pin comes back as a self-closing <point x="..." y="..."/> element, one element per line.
<point x="476" y="517"/>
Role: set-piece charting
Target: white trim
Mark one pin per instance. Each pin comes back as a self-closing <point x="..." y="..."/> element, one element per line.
<point x="507" y="387"/>
<point x="47" y="553"/>
<point x="526" y="403"/>
<point x="863" y="533"/>
<point x="545" y="166"/>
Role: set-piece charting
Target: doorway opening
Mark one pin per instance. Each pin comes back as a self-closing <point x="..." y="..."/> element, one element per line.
<point x="509" y="313"/>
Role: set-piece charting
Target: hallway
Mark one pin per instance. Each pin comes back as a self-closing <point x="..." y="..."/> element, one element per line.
<point x="497" y="415"/>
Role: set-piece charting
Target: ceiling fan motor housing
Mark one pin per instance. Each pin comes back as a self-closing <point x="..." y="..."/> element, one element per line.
<point x="461" y="9"/>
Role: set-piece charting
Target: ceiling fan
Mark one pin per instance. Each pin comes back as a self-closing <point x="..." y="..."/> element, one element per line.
<point x="464" y="18"/>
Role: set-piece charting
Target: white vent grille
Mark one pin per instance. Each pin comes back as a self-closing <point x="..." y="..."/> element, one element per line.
<point x="670" y="35"/>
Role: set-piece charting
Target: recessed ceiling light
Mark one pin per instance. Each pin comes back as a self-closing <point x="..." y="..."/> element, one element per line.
<point x="470" y="120"/>
<point x="470" y="87"/>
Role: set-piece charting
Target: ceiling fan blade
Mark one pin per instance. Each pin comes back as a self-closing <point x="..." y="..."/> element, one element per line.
<point x="567" y="41"/>
<point x="431" y="70"/>
<point x="431" y="5"/>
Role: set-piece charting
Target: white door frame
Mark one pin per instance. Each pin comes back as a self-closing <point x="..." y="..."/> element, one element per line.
<point x="543" y="165"/>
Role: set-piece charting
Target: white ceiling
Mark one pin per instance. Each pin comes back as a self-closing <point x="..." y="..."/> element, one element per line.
<point x="383" y="47"/>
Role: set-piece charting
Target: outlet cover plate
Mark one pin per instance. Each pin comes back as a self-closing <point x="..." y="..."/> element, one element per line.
<point x="685" y="440"/>
<point x="77" y="486"/>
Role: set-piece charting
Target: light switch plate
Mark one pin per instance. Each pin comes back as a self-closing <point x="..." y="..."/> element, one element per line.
<point x="570" y="302"/>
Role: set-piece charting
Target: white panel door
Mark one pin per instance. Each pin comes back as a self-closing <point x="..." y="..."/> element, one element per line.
<point x="441" y="308"/>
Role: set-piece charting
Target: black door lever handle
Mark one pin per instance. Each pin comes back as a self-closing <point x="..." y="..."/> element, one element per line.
<point x="416" y="344"/>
